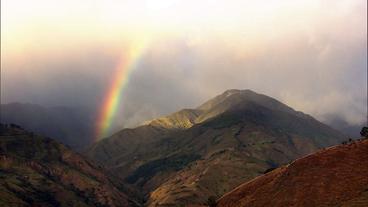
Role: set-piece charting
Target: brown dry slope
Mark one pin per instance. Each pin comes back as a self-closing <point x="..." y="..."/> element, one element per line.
<point x="337" y="176"/>
<point x="38" y="171"/>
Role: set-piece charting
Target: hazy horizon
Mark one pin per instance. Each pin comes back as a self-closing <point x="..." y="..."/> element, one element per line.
<point x="311" y="55"/>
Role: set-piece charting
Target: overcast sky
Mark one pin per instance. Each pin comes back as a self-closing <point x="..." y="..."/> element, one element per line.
<point x="311" y="55"/>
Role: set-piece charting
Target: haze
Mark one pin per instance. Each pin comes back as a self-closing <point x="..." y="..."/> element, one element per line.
<point x="312" y="55"/>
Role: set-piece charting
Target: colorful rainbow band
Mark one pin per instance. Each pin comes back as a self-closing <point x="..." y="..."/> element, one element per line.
<point x="111" y="103"/>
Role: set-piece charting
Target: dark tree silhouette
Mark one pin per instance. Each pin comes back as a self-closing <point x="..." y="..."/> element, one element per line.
<point x="211" y="202"/>
<point x="364" y="132"/>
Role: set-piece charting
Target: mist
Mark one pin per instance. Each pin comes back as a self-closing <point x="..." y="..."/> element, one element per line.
<point x="315" y="64"/>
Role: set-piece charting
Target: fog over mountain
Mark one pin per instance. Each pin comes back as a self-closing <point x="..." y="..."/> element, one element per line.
<point x="158" y="103"/>
<point x="314" y="63"/>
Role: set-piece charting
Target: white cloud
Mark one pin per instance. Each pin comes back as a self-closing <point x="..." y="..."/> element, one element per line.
<point x="309" y="54"/>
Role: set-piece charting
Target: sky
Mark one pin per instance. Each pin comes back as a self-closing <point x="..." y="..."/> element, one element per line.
<point x="310" y="54"/>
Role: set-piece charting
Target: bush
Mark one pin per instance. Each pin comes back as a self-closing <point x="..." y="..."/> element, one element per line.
<point x="211" y="201"/>
<point x="269" y="170"/>
<point x="364" y="132"/>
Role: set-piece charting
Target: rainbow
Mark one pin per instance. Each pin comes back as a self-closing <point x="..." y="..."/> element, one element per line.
<point x="111" y="102"/>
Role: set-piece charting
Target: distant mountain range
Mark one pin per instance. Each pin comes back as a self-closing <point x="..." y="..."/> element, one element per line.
<point x="194" y="154"/>
<point x="71" y="126"/>
<point x="75" y="126"/>
<point x="348" y="129"/>
<point x="194" y="157"/>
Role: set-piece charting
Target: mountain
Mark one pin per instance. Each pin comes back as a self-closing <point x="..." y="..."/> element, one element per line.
<point x="229" y="100"/>
<point x="336" y="176"/>
<point x="71" y="126"/>
<point x="194" y="154"/>
<point x="351" y="130"/>
<point x="38" y="171"/>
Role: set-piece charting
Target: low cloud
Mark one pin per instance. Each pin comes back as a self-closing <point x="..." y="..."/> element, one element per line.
<point x="319" y="68"/>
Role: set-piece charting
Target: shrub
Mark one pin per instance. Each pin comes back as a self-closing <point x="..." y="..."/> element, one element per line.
<point x="211" y="201"/>
<point x="269" y="170"/>
<point x="364" y="132"/>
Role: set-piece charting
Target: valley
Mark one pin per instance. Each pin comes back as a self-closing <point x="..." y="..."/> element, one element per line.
<point x="190" y="158"/>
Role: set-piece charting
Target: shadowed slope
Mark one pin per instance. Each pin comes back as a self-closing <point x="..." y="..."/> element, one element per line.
<point x="228" y="100"/>
<point x="186" y="157"/>
<point x="237" y="145"/>
<point x="38" y="171"/>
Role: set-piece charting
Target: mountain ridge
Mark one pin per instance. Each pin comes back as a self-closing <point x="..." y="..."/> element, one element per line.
<point x="167" y="157"/>
<point x="335" y="176"/>
<point x="215" y="106"/>
<point x="39" y="171"/>
<point x="62" y="123"/>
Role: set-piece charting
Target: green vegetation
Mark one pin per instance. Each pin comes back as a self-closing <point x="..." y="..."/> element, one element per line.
<point x="148" y="170"/>
<point x="223" y="121"/>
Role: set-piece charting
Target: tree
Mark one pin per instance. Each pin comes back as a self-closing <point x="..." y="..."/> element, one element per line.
<point x="269" y="170"/>
<point x="211" y="202"/>
<point x="364" y="132"/>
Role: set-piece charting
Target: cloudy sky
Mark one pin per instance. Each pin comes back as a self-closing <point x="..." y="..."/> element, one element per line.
<point x="310" y="54"/>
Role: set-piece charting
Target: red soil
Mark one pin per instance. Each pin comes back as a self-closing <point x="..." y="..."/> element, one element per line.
<point x="336" y="176"/>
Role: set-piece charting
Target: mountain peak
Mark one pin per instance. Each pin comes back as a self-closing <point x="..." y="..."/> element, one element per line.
<point x="224" y="96"/>
<point x="172" y="159"/>
<point x="230" y="100"/>
<point x="232" y="91"/>
<point x="235" y="91"/>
